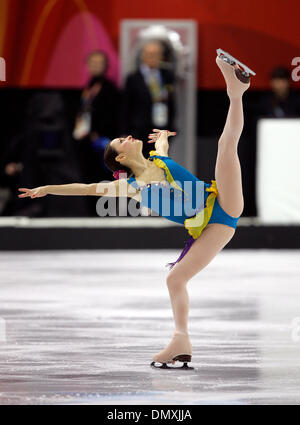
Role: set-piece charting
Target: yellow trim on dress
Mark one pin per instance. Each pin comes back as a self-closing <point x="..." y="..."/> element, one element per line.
<point x="196" y="224"/>
<point x="161" y="164"/>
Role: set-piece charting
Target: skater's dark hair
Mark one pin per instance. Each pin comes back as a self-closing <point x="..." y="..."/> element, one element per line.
<point x="280" y="72"/>
<point x="109" y="157"/>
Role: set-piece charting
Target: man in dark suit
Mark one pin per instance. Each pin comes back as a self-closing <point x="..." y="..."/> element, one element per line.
<point x="282" y="101"/>
<point x="96" y="122"/>
<point x="148" y="97"/>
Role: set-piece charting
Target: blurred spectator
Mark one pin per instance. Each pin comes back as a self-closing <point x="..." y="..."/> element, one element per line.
<point x="282" y="101"/>
<point x="148" y="96"/>
<point x="97" y="122"/>
<point x="42" y="154"/>
<point x="97" y="118"/>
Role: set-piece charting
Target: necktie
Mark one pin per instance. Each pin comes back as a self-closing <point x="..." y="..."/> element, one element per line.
<point x="154" y="87"/>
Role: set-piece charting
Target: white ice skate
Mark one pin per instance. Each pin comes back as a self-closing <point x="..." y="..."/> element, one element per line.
<point x="243" y="74"/>
<point x="179" y="349"/>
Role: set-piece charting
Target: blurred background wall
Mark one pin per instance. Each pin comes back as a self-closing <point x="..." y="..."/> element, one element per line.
<point x="45" y="44"/>
<point x="42" y="41"/>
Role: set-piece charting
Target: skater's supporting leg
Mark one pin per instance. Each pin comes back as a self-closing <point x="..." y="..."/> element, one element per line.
<point x="204" y="249"/>
<point x="180" y="303"/>
<point x="213" y="238"/>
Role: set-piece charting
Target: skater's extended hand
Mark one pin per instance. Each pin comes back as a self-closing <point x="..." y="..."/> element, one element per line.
<point x="37" y="192"/>
<point x="157" y="133"/>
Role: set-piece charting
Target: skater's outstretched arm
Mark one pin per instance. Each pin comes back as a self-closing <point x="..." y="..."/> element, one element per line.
<point x="112" y="189"/>
<point x="160" y="137"/>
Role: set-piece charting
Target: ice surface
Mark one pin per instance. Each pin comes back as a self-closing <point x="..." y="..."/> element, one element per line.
<point x="80" y="327"/>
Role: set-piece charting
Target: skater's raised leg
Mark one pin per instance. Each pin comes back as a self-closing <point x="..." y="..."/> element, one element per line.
<point x="228" y="170"/>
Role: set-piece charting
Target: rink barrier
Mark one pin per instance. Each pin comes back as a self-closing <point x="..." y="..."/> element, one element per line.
<point x="125" y="222"/>
<point x="23" y="233"/>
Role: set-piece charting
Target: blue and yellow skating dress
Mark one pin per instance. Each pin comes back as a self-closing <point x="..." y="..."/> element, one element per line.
<point x="185" y="199"/>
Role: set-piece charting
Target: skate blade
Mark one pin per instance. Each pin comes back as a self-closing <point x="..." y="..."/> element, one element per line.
<point x="233" y="59"/>
<point x="165" y="366"/>
<point x="184" y="358"/>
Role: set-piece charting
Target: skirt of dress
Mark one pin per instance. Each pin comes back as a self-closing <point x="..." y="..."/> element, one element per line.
<point x="198" y="222"/>
<point x="212" y="213"/>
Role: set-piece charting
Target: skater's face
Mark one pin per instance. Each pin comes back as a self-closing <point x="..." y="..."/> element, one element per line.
<point x="127" y="146"/>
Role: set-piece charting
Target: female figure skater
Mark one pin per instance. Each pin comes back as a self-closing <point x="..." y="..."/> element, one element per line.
<point x="223" y="199"/>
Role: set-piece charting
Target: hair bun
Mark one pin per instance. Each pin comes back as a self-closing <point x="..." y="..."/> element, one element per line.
<point x="117" y="173"/>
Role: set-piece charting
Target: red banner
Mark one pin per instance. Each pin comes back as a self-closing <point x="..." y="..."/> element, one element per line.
<point x="44" y="42"/>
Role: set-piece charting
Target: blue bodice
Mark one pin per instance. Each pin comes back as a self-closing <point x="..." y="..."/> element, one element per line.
<point x="180" y="196"/>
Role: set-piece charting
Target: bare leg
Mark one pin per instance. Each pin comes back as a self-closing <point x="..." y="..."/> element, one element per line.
<point x="228" y="170"/>
<point x="215" y="236"/>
